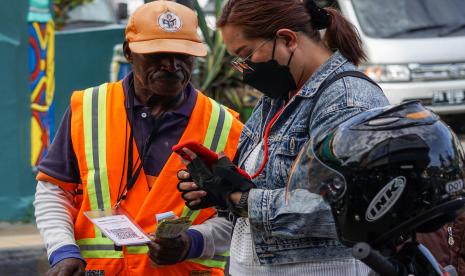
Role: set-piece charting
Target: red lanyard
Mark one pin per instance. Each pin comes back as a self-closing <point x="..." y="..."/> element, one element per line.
<point x="265" y="144"/>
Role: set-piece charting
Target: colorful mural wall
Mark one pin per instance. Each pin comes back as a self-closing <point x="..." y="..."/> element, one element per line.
<point x="42" y="77"/>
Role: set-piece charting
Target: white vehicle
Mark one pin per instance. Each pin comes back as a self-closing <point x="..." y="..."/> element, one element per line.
<point x="415" y="48"/>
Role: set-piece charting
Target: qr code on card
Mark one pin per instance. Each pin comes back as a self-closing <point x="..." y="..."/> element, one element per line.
<point x="124" y="233"/>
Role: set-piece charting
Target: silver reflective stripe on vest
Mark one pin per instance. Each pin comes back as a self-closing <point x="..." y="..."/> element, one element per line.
<point x="98" y="247"/>
<point x="95" y="148"/>
<point x="218" y="131"/>
<point x="94" y="121"/>
<point x="219" y="127"/>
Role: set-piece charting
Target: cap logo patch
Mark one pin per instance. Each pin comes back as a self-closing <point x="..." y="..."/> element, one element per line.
<point x="169" y="22"/>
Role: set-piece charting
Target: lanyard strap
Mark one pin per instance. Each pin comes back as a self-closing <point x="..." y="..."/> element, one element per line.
<point x="144" y="153"/>
<point x="132" y="171"/>
<point x="265" y="143"/>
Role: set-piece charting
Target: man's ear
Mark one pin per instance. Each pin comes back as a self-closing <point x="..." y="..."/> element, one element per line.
<point x="127" y="52"/>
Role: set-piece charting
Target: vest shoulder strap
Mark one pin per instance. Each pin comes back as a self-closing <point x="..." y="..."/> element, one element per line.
<point x="94" y="123"/>
<point x="219" y="126"/>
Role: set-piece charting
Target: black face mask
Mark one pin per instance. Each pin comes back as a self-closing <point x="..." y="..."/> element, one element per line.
<point x="270" y="78"/>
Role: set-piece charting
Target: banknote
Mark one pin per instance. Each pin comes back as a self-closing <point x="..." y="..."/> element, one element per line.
<point x="172" y="228"/>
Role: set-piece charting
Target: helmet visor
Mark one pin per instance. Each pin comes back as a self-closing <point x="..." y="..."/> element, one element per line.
<point x="309" y="173"/>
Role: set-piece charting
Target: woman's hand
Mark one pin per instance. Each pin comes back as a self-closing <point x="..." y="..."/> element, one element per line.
<point x="222" y="183"/>
<point x="235" y="197"/>
<point x="192" y="192"/>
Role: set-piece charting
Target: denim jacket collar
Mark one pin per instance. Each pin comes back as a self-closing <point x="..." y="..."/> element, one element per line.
<point x="320" y="75"/>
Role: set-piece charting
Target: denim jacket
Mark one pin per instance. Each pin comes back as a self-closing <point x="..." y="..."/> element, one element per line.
<point x="296" y="232"/>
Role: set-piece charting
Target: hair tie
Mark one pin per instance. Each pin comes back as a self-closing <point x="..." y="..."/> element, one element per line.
<point x="320" y="18"/>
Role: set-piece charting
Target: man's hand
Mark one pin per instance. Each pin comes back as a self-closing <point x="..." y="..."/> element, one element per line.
<point x="195" y="197"/>
<point x="223" y="185"/>
<point x="70" y="266"/>
<point x="169" y="251"/>
<point x="191" y="193"/>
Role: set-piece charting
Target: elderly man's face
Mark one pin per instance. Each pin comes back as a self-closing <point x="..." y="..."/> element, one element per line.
<point x="161" y="74"/>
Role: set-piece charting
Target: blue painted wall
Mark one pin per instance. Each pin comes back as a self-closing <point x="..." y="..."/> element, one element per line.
<point x="17" y="185"/>
<point x="82" y="59"/>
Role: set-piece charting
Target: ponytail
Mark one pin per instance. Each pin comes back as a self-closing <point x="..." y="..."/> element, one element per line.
<point x="343" y="36"/>
<point x="340" y="34"/>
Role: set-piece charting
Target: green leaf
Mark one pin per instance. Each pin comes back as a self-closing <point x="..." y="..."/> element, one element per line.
<point x="203" y="24"/>
<point x="218" y="6"/>
<point x="216" y="66"/>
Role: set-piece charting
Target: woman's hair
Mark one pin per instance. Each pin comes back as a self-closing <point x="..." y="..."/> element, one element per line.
<point x="262" y="19"/>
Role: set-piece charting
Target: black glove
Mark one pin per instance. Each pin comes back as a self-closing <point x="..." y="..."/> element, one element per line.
<point x="205" y="202"/>
<point x="219" y="183"/>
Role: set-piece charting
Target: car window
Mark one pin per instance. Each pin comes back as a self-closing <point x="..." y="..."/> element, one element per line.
<point x="409" y="18"/>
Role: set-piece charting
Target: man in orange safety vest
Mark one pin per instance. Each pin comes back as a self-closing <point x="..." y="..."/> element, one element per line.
<point x="112" y="152"/>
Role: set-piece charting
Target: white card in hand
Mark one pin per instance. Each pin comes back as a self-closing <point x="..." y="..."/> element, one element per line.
<point x="120" y="229"/>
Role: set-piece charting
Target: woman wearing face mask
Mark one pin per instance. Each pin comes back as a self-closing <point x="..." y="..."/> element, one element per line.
<point x="309" y="87"/>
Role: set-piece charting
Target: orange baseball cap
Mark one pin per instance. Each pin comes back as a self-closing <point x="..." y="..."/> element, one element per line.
<point x="164" y="27"/>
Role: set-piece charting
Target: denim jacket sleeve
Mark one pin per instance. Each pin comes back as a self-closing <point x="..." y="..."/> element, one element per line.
<point x="306" y="214"/>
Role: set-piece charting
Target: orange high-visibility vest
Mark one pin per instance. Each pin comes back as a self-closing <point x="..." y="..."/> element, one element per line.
<point x="100" y="132"/>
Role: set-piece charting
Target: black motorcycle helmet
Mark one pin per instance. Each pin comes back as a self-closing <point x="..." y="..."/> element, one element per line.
<point x="385" y="172"/>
